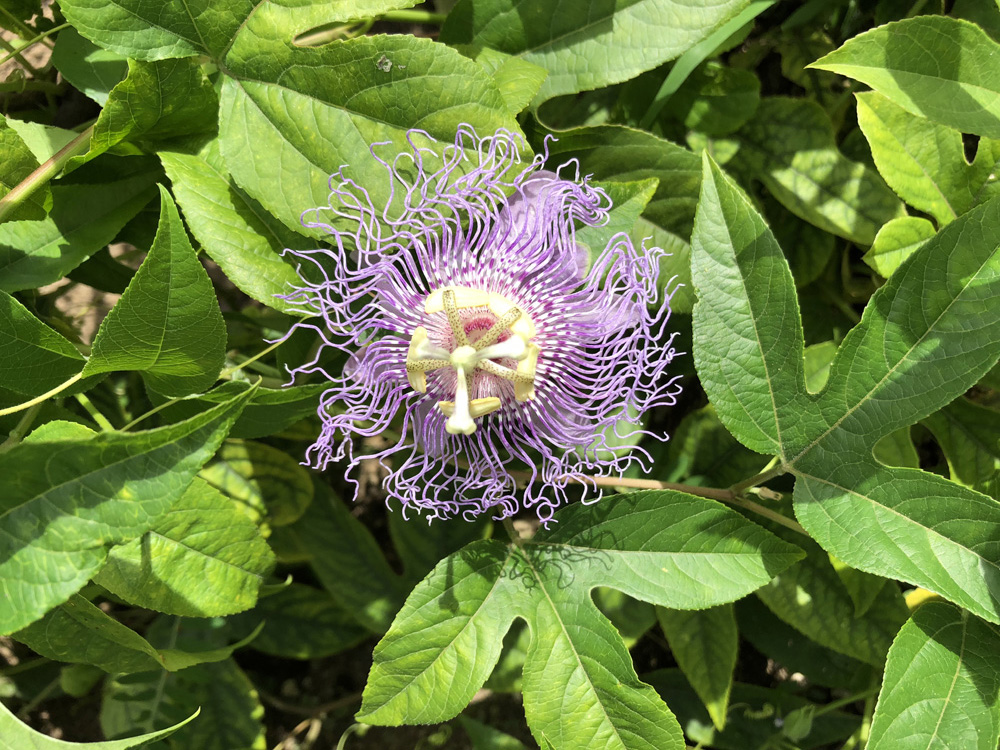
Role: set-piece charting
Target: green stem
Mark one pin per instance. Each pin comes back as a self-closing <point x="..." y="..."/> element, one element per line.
<point x="16" y="53"/>
<point x="31" y="705"/>
<point x="48" y="169"/>
<point x="414" y="16"/>
<point x="150" y="413"/>
<point x="16" y="25"/>
<point x="27" y="85"/>
<point x="24" y="666"/>
<point x="34" y="40"/>
<point x="867" y="694"/>
<point x="228" y="372"/>
<point x="841" y="304"/>
<point x="94" y="413"/>
<point x="45" y="396"/>
<point x="772" y="470"/>
<point x="16" y="435"/>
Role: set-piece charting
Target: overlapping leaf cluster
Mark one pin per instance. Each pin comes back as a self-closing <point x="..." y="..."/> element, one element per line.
<point x="835" y="463"/>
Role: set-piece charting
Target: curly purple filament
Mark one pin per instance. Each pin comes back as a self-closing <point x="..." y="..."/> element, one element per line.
<point x="467" y="308"/>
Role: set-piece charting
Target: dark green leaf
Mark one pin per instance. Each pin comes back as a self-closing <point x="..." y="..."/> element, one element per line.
<point x="88" y="210"/>
<point x="705" y="644"/>
<point x="16" y="163"/>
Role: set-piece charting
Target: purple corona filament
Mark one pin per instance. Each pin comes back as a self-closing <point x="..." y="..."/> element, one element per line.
<point x="475" y="323"/>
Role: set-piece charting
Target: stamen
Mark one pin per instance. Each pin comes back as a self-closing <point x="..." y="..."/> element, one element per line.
<point x="478" y="407"/>
<point x="454" y="320"/>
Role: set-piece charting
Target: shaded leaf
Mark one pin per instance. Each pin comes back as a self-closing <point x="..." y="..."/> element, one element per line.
<point x="87" y="213"/>
<point x="17" y="163"/>
<point x="705" y="644"/>
<point x="90" y="69"/>
<point x="969" y="435"/>
<point x="266" y="483"/>
<point x="789" y="146"/>
<point x="17" y="736"/>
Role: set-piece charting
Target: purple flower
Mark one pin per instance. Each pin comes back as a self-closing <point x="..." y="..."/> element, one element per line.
<point x="469" y="315"/>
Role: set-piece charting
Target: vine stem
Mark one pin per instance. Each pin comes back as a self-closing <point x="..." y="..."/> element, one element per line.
<point x="16" y="435"/>
<point x="725" y="496"/>
<point x="39" y="399"/>
<point x="48" y="169"/>
<point x="772" y="470"/>
<point x="35" y="40"/>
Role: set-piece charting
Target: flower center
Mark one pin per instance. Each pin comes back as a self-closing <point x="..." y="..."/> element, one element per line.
<point x="508" y="338"/>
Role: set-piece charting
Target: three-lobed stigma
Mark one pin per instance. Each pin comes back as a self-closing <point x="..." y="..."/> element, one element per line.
<point x="508" y="338"/>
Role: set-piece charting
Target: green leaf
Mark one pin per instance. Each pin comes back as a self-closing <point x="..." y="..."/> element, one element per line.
<point x="269" y="485"/>
<point x="585" y="47"/>
<point x="747" y="331"/>
<point x="300" y="622"/>
<point x="911" y="525"/>
<point x="628" y="200"/>
<point x="703" y="451"/>
<point x="151" y="30"/>
<point x="941" y="684"/>
<point x="518" y="80"/>
<point x="663" y="547"/>
<point x="33" y="357"/>
<point x="167" y="324"/>
<point x="897" y="449"/>
<point x="17" y="736"/>
<point x="944" y="69"/>
<point x="230" y="710"/>
<point x="811" y="598"/>
<point x="17" y="163"/>
<point x="64" y="504"/>
<point x="667" y="548"/>
<point x="291" y="117"/>
<point x="925" y="337"/>
<point x="896" y="241"/>
<point x="922" y="161"/>
<point x="204" y="558"/>
<point x="90" y="69"/>
<point x="969" y="435"/>
<point x="347" y="560"/>
<point x="789" y="145"/>
<point x="169" y="99"/>
<point x="485" y="737"/>
<point x="89" y="208"/>
<point x="232" y="228"/>
<point x="705" y="644"/>
<point x="421" y="545"/>
<point x="79" y="632"/>
<point x="620" y="154"/>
